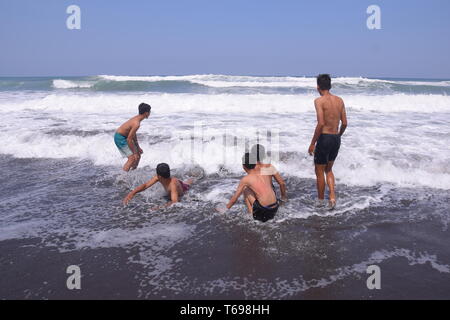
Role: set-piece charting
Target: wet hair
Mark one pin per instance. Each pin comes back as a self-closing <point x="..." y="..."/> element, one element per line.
<point x="143" y="108"/>
<point x="163" y="170"/>
<point x="259" y="152"/>
<point x="324" y="81"/>
<point x="247" y="161"/>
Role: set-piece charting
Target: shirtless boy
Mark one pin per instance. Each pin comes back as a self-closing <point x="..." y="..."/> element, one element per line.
<point x="330" y="112"/>
<point x="259" y="195"/>
<point x="267" y="169"/>
<point x="174" y="187"/>
<point x="126" y="140"/>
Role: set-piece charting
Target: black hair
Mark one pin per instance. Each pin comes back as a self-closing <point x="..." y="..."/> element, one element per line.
<point x="143" y="108"/>
<point x="163" y="170"/>
<point x="324" y="81"/>
<point x="259" y="152"/>
<point x="246" y="161"/>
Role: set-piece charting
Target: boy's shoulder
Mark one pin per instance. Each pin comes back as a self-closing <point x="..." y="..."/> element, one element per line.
<point x="134" y="121"/>
<point x="174" y="180"/>
<point x="250" y="178"/>
<point x="319" y="99"/>
<point x="338" y="98"/>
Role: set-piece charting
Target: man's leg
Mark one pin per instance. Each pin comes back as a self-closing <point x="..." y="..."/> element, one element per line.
<point x="330" y="182"/>
<point x="129" y="164"/>
<point x="137" y="158"/>
<point x="249" y="198"/>
<point x="320" y="177"/>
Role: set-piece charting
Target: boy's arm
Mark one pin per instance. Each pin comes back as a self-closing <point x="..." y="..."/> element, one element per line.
<point x="141" y="188"/>
<point x="173" y="196"/>
<point x="137" y="144"/>
<point x="319" y="127"/>
<point x="343" y="120"/>
<point x="238" y="193"/>
<point x="132" y="137"/>
<point x="282" y="185"/>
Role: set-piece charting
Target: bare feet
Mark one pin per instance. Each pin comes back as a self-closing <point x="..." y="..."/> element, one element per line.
<point x="320" y="203"/>
<point x="332" y="204"/>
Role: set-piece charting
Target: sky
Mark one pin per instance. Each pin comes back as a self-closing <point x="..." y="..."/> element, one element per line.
<point x="235" y="37"/>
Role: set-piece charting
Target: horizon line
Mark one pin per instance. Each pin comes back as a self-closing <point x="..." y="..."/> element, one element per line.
<point x="218" y="74"/>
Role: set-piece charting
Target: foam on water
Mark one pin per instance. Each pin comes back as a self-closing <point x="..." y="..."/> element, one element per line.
<point x="66" y="84"/>
<point x="223" y="81"/>
<point x="400" y="139"/>
<point x="211" y="83"/>
<point x="405" y="149"/>
<point x="164" y="103"/>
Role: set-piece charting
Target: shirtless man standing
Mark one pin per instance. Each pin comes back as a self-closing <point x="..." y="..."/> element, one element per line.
<point x="126" y="140"/>
<point x="330" y="111"/>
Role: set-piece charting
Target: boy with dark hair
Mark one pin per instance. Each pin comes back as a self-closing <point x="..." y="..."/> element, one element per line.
<point x="330" y="110"/>
<point x="267" y="169"/>
<point x="126" y="140"/>
<point x="173" y="186"/>
<point x="259" y="195"/>
<point x="324" y="82"/>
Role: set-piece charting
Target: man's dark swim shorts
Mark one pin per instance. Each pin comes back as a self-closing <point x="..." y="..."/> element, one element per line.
<point x="327" y="148"/>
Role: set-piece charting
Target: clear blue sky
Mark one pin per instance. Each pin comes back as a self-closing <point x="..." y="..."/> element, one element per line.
<point x="253" y="37"/>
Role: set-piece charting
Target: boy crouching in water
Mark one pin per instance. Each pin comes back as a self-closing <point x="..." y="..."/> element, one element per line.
<point x="174" y="187"/>
<point x="259" y="195"/>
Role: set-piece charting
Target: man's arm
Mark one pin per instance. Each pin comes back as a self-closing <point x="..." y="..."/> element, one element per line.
<point x="141" y="188"/>
<point x="343" y="120"/>
<point x="282" y="185"/>
<point x="319" y="126"/>
<point x="238" y="193"/>
<point x="132" y="137"/>
<point x="137" y="144"/>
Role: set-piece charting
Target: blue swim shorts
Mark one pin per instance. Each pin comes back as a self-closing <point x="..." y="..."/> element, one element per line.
<point x="122" y="145"/>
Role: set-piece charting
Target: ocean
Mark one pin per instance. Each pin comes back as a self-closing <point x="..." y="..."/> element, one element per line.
<point x="62" y="186"/>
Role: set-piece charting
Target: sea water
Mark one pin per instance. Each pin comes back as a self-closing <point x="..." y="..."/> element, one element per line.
<point x="62" y="185"/>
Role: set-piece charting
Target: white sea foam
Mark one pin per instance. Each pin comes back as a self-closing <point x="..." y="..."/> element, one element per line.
<point x="67" y="84"/>
<point x="224" y="81"/>
<point x="375" y="149"/>
<point x="223" y="103"/>
<point x="401" y="139"/>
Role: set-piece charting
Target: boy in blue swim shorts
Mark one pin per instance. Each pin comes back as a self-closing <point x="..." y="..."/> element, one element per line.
<point x="126" y="140"/>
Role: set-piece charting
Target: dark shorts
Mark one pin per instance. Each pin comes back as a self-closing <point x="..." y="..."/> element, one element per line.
<point x="263" y="213"/>
<point x="327" y="148"/>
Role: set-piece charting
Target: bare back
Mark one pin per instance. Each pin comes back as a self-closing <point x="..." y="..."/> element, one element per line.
<point x="172" y="183"/>
<point x="262" y="187"/>
<point x="333" y="111"/>
<point x="126" y="127"/>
